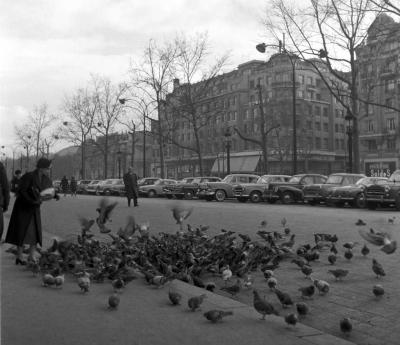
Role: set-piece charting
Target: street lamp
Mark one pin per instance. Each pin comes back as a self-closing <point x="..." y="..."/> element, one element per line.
<point x="227" y="135"/>
<point x="349" y="131"/>
<point x="262" y="48"/>
<point x="119" y="154"/>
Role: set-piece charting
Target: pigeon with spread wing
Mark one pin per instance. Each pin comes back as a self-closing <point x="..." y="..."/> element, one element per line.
<point x="379" y="239"/>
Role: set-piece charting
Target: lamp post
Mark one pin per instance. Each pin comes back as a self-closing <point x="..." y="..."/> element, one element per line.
<point x="262" y="48"/>
<point x="119" y="154"/>
<point x="349" y="132"/>
<point x="227" y="135"/>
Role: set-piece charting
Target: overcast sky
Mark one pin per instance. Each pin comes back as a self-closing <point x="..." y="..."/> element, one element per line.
<point x="49" y="48"/>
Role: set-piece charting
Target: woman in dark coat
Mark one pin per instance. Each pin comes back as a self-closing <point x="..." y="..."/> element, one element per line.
<point x="131" y="187"/>
<point x="25" y="225"/>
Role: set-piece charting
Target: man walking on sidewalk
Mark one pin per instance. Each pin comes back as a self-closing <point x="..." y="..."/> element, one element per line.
<point x="4" y="197"/>
<point x="131" y="186"/>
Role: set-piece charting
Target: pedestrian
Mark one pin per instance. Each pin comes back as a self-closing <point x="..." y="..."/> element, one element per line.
<point x="73" y="186"/>
<point x="25" y="225"/>
<point x="15" y="181"/>
<point x="4" y="196"/>
<point x="131" y="187"/>
<point x="64" y="185"/>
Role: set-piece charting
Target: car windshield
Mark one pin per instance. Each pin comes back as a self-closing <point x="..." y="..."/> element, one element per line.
<point x="196" y="180"/>
<point x="159" y="182"/>
<point x="334" y="179"/>
<point x="227" y="179"/>
<point x="295" y="179"/>
<point x="94" y="182"/>
<point x="364" y="181"/>
<point x="264" y="179"/>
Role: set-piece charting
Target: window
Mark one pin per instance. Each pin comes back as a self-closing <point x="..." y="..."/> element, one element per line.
<point x="325" y="111"/>
<point x="301" y="79"/>
<point x="390" y="124"/>
<point x="309" y="81"/>
<point x="325" y="146"/>
<point x="318" y="96"/>
<point x="372" y="145"/>
<point x="268" y="79"/>
<point x="309" y="124"/>
<point x="317" y="110"/>
<point x="318" y="126"/>
<point x="337" y="144"/>
<point x="391" y="144"/>
<point x="285" y="77"/>
<point x="251" y="84"/>
<point x="318" y="82"/>
<point x="342" y="144"/>
<point x="342" y="128"/>
<point x="370" y="126"/>
<point x="318" y="143"/>
<point x="336" y="128"/>
<point x="300" y="93"/>
<point x="326" y="127"/>
<point x="389" y="86"/>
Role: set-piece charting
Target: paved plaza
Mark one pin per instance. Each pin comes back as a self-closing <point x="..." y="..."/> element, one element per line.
<point x="145" y="316"/>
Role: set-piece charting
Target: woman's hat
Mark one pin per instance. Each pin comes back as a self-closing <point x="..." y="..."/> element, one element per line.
<point x="43" y="163"/>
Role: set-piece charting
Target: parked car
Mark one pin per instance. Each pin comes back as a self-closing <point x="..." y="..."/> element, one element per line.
<point x="57" y="186"/>
<point x="168" y="189"/>
<point x="353" y="195"/>
<point x="188" y="190"/>
<point x="255" y="191"/>
<point x="386" y="194"/>
<point x="156" y="189"/>
<point x="147" y="181"/>
<point x="224" y="189"/>
<point x="81" y="186"/>
<point x="91" y="187"/>
<point x="118" y="188"/>
<point x="291" y="191"/>
<point x="105" y="187"/>
<point x="318" y="193"/>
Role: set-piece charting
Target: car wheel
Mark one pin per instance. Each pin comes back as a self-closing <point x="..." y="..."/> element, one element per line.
<point x="152" y="193"/>
<point x="359" y="201"/>
<point x="189" y="195"/>
<point x="371" y="205"/>
<point x="287" y="198"/>
<point x="220" y="195"/>
<point x="241" y="199"/>
<point x="255" y="197"/>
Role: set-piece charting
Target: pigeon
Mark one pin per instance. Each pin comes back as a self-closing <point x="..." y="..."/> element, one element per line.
<point x="215" y="315"/>
<point x="59" y="280"/>
<point x="321" y="285"/>
<point x="104" y="211"/>
<point x="302" y="308"/>
<point x="180" y="213"/>
<point x="84" y="282"/>
<point x="233" y="290"/>
<point x="86" y="224"/>
<point x="262" y="306"/>
<point x="210" y="286"/>
<point x="284" y="298"/>
<point x="348" y="254"/>
<point x="332" y="259"/>
<point x="307" y="291"/>
<point x="48" y="280"/>
<point x="268" y="274"/>
<point x="118" y="284"/>
<point x="226" y="274"/>
<point x="350" y="245"/>
<point x="272" y="282"/>
<point x="383" y="239"/>
<point x="113" y="301"/>
<point x="195" y="302"/>
<point x="333" y="249"/>
<point x="378" y="290"/>
<point x="174" y="297"/>
<point x="378" y="269"/>
<point x="360" y="222"/>
<point x="306" y="270"/>
<point x="300" y="262"/>
<point x="291" y="319"/>
<point x="365" y="250"/>
<point x="339" y="273"/>
<point x="346" y="325"/>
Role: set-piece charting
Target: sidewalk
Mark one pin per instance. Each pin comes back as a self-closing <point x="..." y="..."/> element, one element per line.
<point x="32" y="314"/>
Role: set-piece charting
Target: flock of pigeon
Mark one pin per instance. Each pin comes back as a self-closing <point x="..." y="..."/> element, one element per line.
<point x="192" y="255"/>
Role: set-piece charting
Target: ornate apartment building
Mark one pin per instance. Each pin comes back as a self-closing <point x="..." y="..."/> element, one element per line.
<point x="379" y="63"/>
<point x="229" y="110"/>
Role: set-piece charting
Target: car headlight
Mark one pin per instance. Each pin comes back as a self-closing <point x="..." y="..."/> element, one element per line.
<point x="387" y="189"/>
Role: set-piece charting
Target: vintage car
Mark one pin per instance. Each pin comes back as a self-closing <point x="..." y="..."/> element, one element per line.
<point x="222" y="190"/>
<point x="156" y="189"/>
<point x="353" y="195"/>
<point x="119" y="188"/>
<point x="147" y="181"/>
<point x="291" y="191"/>
<point x="168" y="189"/>
<point x="105" y="188"/>
<point x="255" y="191"/>
<point x="81" y="186"/>
<point x="91" y="187"/>
<point x="317" y="193"/>
<point x="387" y="194"/>
<point x="189" y="190"/>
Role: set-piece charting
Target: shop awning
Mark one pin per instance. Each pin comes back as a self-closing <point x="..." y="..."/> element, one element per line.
<point x="238" y="164"/>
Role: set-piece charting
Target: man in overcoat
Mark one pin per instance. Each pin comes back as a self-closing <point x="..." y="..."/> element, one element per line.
<point x="25" y="225"/>
<point x="4" y="196"/>
<point x="131" y="187"/>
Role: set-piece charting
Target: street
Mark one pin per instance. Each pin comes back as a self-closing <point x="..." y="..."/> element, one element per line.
<point x="372" y="319"/>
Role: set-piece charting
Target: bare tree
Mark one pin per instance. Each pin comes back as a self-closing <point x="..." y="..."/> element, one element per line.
<point x="153" y="75"/>
<point x="80" y="109"/>
<point x="108" y="112"/>
<point x="387" y="6"/>
<point x="190" y="103"/>
<point x="26" y="140"/>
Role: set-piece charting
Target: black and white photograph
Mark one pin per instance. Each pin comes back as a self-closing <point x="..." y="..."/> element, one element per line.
<point x="213" y="172"/>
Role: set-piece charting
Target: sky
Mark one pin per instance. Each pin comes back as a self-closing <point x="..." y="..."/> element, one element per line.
<point x="49" y="48"/>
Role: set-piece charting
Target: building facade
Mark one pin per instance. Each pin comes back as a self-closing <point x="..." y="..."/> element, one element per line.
<point x="379" y="90"/>
<point x="230" y="110"/>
